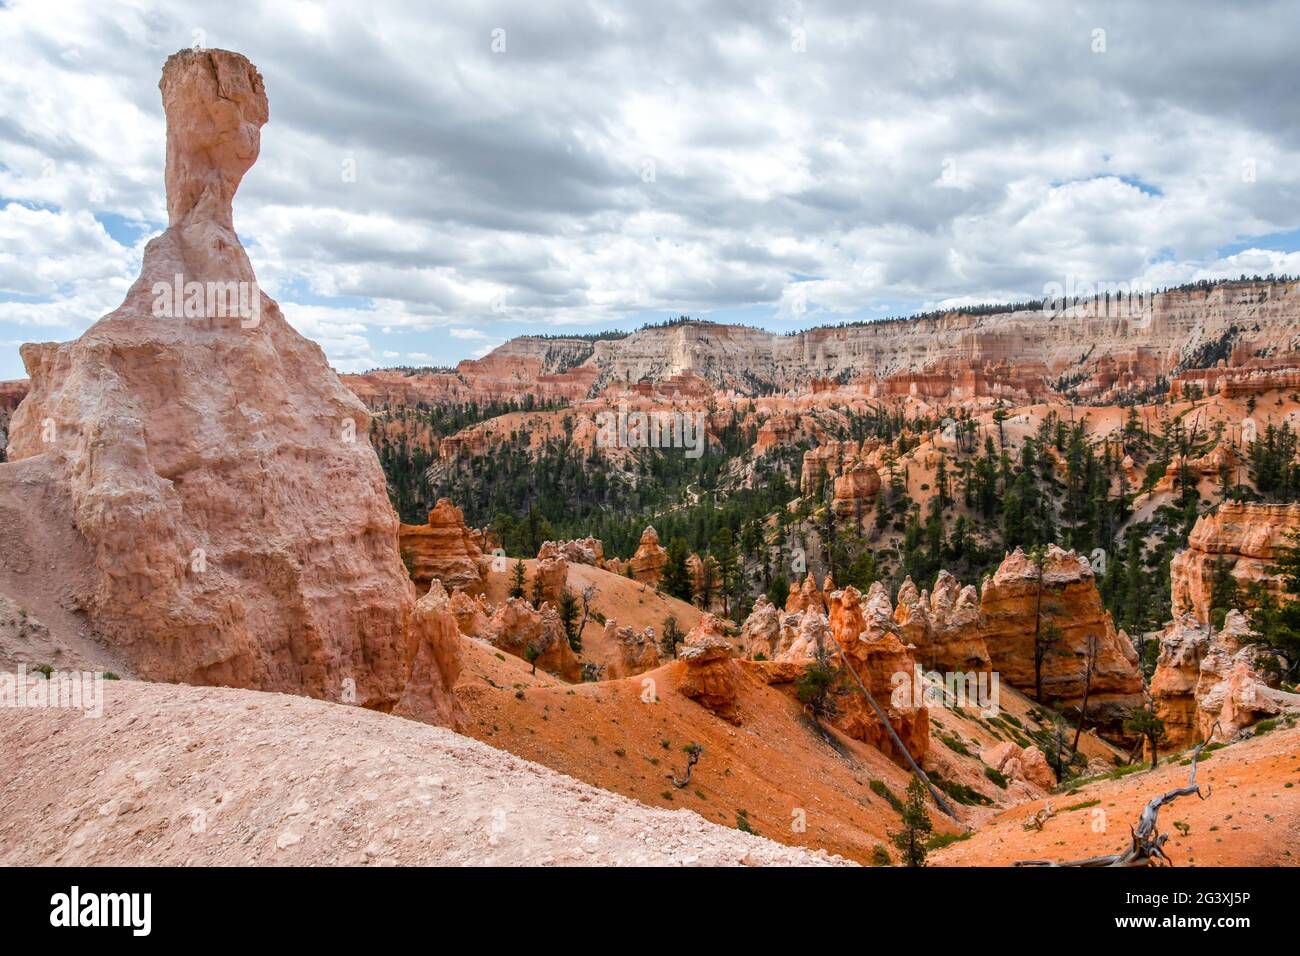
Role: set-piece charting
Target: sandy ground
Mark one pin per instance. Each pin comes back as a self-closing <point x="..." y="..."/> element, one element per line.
<point x="44" y="567"/>
<point x="1251" y="816"/>
<point x="197" y="775"/>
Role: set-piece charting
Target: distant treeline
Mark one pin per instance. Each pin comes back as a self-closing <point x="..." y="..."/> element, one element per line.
<point x="1037" y="305"/>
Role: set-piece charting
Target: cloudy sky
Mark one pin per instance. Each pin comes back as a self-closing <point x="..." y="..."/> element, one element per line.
<point x="436" y="178"/>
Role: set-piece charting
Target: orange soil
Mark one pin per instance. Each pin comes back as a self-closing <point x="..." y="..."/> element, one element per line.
<point x="771" y="765"/>
<point x="1251" y="816"/>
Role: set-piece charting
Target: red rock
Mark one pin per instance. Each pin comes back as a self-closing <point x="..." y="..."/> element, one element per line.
<point x="866" y="632"/>
<point x="516" y="627"/>
<point x="945" y="626"/>
<point x="218" y="470"/>
<point x="428" y="693"/>
<point x="856" y="489"/>
<point x="761" y="633"/>
<point x="648" y="562"/>
<point x="635" y="652"/>
<point x="1070" y="600"/>
<point x="706" y="670"/>
<point x="1246" y="536"/>
<point x="443" y="549"/>
<point x="552" y="570"/>
<point x="805" y="597"/>
<point x="1232" y="689"/>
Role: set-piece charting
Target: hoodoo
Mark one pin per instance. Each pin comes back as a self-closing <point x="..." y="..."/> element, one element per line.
<point x="216" y="467"/>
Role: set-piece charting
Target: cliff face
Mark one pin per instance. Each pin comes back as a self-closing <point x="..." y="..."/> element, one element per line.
<point x="865" y="630"/>
<point x="1010" y="605"/>
<point x="215" y="465"/>
<point x="550" y="369"/>
<point x="1008" y="354"/>
<point x="443" y="549"/>
<point x="1246" y="537"/>
<point x="1205" y="677"/>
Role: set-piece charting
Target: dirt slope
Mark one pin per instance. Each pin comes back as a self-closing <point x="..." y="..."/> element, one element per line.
<point x="203" y="775"/>
<point x="612" y="734"/>
<point x="771" y="766"/>
<point x="44" y="573"/>
<point x="1251" y="817"/>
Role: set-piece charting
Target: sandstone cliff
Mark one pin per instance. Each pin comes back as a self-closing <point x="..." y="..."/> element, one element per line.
<point x="952" y="356"/>
<point x="1066" y="597"/>
<point x="1246" y="537"/>
<point x="1204" y="677"/>
<point x="214" y="464"/>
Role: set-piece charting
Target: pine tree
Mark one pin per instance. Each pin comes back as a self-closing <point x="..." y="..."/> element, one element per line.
<point x="517" y="582"/>
<point x="671" y="637"/>
<point x="1224" y="594"/>
<point x="779" y="592"/>
<point x="726" y="565"/>
<point x="677" y="573"/>
<point x="1275" y="622"/>
<point x="1145" y="722"/>
<point x="569" y="610"/>
<point x="912" y="841"/>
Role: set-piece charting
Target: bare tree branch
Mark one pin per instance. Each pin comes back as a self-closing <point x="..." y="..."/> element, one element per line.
<point x="1146" y="845"/>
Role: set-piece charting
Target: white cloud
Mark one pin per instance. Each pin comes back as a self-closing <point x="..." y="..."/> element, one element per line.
<point x="618" y="160"/>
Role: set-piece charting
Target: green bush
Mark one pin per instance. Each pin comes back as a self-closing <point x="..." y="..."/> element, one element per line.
<point x="997" y="776"/>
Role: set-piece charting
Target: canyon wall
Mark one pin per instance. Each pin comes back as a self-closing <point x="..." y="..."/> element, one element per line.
<point x="549" y="369"/>
<point x="1246" y="538"/>
<point x="993" y="353"/>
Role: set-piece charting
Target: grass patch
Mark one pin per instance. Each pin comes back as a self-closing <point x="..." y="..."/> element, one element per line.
<point x="954" y="743"/>
<point x="941" y="840"/>
<point x="960" y="792"/>
<point x="1080" y="806"/>
<point x="879" y="788"/>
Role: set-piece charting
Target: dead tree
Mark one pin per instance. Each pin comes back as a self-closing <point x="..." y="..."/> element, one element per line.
<point x="1087" y="686"/>
<point x="1146" y="848"/>
<point x="588" y="593"/>
<point x="893" y="734"/>
<point x="693" y="752"/>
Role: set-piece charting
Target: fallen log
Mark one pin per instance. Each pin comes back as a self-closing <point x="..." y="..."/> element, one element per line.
<point x="1146" y="844"/>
